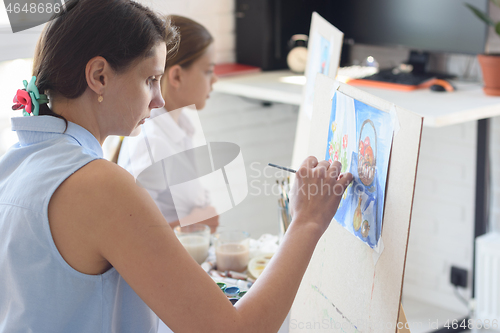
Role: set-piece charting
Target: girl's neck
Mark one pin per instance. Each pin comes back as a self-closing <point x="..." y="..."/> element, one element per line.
<point x="79" y="111"/>
<point x="171" y="106"/>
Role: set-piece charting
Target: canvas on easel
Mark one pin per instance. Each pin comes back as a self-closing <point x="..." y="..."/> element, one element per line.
<point x="349" y="286"/>
<point x="360" y="137"/>
<point x="323" y="56"/>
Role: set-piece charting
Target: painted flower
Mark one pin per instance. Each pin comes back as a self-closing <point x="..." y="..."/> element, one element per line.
<point x="330" y="150"/>
<point x="330" y="160"/>
<point x="344" y="141"/>
<point x="22" y="99"/>
<point x="334" y="127"/>
<point x="336" y="156"/>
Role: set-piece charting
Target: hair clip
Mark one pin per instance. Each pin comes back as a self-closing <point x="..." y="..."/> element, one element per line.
<point x="29" y="99"/>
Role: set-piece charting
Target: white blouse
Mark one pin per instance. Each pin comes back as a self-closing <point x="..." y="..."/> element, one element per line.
<point x="165" y="139"/>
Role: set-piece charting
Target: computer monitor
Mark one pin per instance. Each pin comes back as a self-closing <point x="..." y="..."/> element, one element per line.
<point x="446" y="26"/>
<point x="264" y="27"/>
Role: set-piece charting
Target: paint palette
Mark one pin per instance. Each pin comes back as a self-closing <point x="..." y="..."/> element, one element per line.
<point x="256" y="265"/>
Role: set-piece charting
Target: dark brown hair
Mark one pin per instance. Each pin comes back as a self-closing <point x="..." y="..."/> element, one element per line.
<point x="195" y="39"/>
<point x="120" y="31"/>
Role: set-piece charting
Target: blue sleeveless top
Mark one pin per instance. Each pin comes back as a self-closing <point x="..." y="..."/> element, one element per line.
<point x="39" y="291"/>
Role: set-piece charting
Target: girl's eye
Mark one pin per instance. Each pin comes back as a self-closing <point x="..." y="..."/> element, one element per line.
<point x="152" y="79"/>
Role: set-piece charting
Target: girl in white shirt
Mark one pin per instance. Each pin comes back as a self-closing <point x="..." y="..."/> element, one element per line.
<point x="188" y="79"/>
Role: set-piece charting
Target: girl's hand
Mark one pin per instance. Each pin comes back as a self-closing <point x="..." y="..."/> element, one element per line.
<point x="206" y="215"/>
<point x="317" y="190"/>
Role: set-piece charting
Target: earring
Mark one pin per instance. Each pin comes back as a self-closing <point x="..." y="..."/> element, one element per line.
<point x="100" y="98"/>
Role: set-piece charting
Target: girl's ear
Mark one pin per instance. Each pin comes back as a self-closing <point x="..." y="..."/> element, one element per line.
<point x="174" y="76"/>
<point x="97" y="73"/>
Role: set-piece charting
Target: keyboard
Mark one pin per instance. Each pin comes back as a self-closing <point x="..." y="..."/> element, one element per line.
<point x="411" y="79"/>
<point x="385" y="79"/>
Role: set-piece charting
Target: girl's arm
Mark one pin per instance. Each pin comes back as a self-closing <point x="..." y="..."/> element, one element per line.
<point x="112" y="221"/>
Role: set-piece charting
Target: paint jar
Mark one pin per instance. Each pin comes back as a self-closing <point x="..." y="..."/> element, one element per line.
<point x="232" y="292"/>
<point x="232" y="250"/>
<point x="222" y="285"/>
<point x="196" y="240"/>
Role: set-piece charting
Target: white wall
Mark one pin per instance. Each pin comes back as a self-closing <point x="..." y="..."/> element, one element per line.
<point x="493" y="44"/>
<point x="216" y="15"/>
<point x="442" y="225"/>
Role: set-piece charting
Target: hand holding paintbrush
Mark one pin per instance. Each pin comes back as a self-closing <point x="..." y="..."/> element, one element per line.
<point x="322" y="182"/>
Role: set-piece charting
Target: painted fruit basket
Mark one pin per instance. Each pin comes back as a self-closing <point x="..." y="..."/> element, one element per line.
<point x="367" y="153"/>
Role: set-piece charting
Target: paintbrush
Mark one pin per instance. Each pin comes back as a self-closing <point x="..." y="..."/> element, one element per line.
<point x="282" y="168"/>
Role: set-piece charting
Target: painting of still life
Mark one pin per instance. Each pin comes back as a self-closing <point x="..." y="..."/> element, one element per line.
<point x="360" y="137"/>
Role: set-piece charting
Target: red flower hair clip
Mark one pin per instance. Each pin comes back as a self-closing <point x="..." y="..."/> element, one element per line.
<point x="22" y="100"/>
<point x="29" y="99"/>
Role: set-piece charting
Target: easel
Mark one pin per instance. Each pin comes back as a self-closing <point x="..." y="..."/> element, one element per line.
<point x="402" y="322"/>
<point x="346" y="283"/>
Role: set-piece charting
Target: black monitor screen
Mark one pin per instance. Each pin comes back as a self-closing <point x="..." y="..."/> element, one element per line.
<point x="428" y="25"/>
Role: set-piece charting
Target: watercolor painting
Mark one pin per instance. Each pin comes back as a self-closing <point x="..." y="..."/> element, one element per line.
<point x="324" y="50"/>
<point x="360" y="137"/>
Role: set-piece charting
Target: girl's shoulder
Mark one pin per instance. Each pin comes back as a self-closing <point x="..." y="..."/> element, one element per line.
<point x="101" y="176"/>
<point x="96" y="188"/>
<point x="86" y="210"/>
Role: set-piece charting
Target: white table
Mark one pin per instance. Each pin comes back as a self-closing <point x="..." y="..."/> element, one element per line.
<point x="467" y="103"/>
<point x="266" y="86"/>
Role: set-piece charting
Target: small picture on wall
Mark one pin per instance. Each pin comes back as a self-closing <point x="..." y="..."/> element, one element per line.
<point x="324" y="63"/>
<point x="323" y="56"/>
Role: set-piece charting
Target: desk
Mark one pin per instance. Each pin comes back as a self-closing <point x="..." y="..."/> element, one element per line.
<point x="266" y="86"/>
<point x="468" y="103"/>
